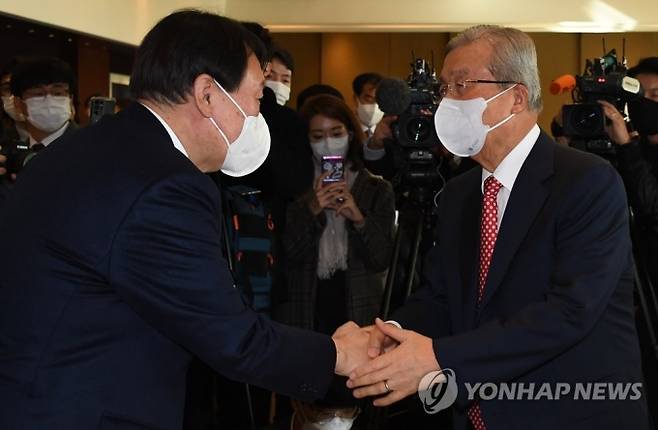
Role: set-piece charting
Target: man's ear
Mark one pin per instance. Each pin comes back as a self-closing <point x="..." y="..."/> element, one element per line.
<point x="204" y="95"/>
<point x="521" y="98"/>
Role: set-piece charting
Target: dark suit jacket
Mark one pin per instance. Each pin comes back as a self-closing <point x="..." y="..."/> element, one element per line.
<point x="558" y="303"/>
<point x="113" y="277"/>
<point x="9" y="142"/>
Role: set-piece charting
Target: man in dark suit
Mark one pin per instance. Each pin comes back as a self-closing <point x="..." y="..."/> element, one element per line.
<point x="531" y="281"/>
<point x="113" y="275"/>
<point x="38" y="91"/>
<point x="43" y="94"/>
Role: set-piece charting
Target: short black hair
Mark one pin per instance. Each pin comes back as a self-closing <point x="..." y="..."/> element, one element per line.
<point x="647" y="65"/>
<point x="37" y="71"/>
<point x="315" y="90"/>
<point x="186" y="44"/>
<point x="284" y="57"/>
<point x="365" y="78"/>
<point x="263" y="34"/>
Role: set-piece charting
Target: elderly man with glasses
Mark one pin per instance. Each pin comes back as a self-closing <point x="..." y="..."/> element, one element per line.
<point x="530" y="285"/>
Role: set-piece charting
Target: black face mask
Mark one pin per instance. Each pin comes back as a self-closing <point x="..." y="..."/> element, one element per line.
<point x="644" y="116"/>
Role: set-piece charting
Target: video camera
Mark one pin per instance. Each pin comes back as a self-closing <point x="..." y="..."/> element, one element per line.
<point x="584" y="121"/>
<point x="414" y="128"/>
<point x="414" y="102"/>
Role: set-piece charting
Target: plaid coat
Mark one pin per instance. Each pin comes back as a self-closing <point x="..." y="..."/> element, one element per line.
<point x="369" y="254"/>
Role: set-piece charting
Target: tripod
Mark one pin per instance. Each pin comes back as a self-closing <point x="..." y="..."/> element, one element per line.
<point x="416" y="215"/>
<point x="416" y="220"/>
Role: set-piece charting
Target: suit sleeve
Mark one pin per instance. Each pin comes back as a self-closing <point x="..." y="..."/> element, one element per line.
<point x="166" y="263"/>
<point x="592" y="251"/>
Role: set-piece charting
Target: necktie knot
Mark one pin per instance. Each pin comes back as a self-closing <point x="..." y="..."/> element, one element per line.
<point x="492" y="186"/>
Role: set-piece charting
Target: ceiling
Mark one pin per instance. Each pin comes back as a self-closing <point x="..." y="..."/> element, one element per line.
<point x="128" y="20"/>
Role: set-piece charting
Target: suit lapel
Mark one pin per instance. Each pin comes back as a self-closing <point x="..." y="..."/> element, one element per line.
<point x="527" y="198"/>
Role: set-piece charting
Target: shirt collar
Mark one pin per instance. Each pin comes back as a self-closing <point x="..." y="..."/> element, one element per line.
<point x="367" y="129"/>
<point x="176" y="141"/>
<point x="509" y="168"/>
<point x="51" y="137"/>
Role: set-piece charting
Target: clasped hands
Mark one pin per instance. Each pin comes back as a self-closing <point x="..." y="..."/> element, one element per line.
<point x="383" y="360"/>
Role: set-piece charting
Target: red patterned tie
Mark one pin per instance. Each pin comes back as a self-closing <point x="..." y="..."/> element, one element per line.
<point x="488" y="234"/>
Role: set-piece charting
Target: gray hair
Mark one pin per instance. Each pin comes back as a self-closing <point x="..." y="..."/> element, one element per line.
<point x="514" y="57"/>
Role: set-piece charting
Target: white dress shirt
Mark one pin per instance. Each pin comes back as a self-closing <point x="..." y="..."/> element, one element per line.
<point x="51" y="137"/>
<point x="370" y="154"/>
<point x="176" y="141"/>
<point x="509" y="168"/>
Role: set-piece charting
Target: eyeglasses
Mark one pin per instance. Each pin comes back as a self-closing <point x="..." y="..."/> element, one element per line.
<point x="459" y="88"/>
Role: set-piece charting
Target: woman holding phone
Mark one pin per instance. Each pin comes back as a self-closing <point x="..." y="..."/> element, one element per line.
<point x="339" y="234"/>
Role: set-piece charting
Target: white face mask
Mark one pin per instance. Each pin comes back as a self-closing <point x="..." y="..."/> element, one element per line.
<point x="10" y="108"/>
<point x="369" y="114"/>
<point x="249" y="151"/>
<point x="331" y="146"/>
<point x="50" y="113"/>
<point x="281" y="91"/>
<point x="336" y="423"/>
<point x="459" y="124"/>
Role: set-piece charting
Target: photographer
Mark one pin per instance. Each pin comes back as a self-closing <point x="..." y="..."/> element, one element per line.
<point x="13" y="124"/>
<point x="637" y="155"/>
<point x="637" y="162"/>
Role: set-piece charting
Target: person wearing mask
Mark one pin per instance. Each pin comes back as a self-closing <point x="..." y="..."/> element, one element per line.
<point x="364" y="87"/>
<point x="379" y="153"/>
<point x="14" y="122"/>
<point x="12" y="127"/>
<point x="112" y="265"/>
<point x="279" y="75"/>
<point x="531" y="280"/>
<point x="637" y="156"/>
<point x="637" y="162"/>
<point x="339" y="236"/>
<point x="37" y="96"/>
<point x="43" y="94"/>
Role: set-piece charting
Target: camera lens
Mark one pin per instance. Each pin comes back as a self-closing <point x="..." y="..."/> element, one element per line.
<point x="584" y="120"/>
<point x="588" y="118"/>
<point x="419" y="129"/>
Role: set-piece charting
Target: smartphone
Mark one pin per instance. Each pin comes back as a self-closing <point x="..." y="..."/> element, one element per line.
<point x="335" y="164"/>
<point x="99" y="107"/>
